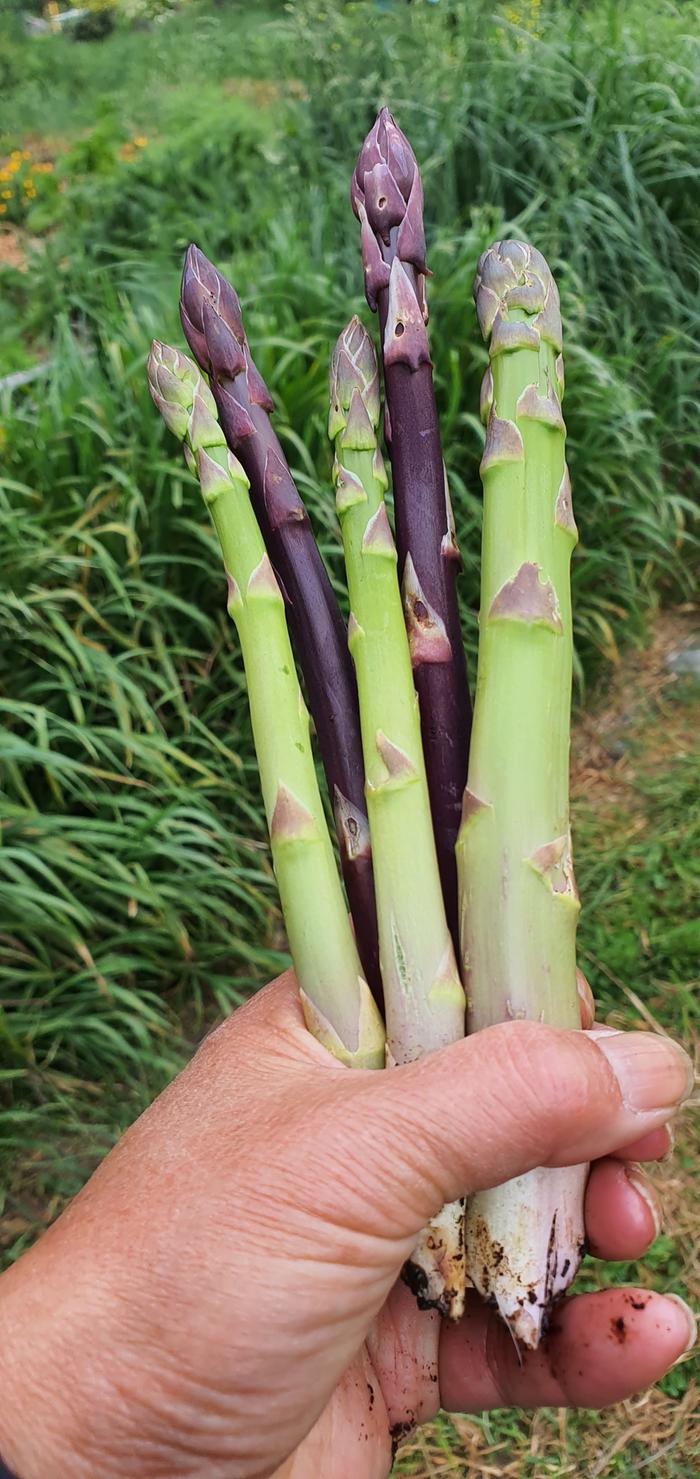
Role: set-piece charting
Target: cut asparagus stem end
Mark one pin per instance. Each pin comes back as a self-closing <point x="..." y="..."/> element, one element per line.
<point x="526" y="1240"/>
<point x="435" y="1270"/>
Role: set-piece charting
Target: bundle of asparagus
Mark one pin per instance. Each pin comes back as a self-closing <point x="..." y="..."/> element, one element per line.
<point x="394" y="733"/>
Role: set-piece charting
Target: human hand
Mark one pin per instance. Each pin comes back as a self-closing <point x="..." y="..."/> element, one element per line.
<point x="221" y="1299"/>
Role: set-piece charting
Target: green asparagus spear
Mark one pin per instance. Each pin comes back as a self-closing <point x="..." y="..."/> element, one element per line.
<point x="518" y="901"/>
<point x="337" y="1002"/>
<point x="424" y="1000"/>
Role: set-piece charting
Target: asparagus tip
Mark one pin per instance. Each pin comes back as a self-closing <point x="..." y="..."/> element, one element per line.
<point x="514" y="275"/>
<point x="354" y="382"/>
<point x="212" y="321"/>
<point x="175" y="384"/>
<point x="384" y="172"/>
<point x="387" y="197"/>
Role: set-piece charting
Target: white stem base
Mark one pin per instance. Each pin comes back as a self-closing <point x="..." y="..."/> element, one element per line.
<point x="435" y="1271"/>
<point x="538" y="1218"/>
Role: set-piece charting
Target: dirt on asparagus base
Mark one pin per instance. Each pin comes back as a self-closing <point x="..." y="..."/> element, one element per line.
<point x="525" y="1251"/>
<point x="435" y="1271"/>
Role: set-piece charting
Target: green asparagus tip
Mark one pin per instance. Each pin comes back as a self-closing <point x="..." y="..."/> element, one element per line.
<point x="188" y="409"/>
<point x="354" y="381"/>
<point x="512" y="276"/>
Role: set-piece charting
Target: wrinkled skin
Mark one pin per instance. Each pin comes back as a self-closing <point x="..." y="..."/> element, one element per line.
<point x="221" y="1299"/>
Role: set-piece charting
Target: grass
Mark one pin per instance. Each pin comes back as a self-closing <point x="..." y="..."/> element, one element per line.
<point x="136" y="895"/>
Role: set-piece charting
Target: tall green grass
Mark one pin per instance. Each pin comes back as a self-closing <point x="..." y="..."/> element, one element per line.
<point x="135" y="887"/>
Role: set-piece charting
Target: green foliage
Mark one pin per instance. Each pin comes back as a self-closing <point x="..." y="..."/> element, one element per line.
<point x="147" y="10"/>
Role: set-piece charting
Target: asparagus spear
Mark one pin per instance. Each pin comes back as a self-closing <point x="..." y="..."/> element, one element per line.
<point x="518" y="901"/>
<point x="337" y="1002"/>
<point x="424" y="1000"/>
<point x="213" y="325"/>
<point x="387" y="198"/>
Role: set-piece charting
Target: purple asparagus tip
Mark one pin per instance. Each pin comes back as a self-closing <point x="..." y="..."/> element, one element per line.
<point x="387" y="198"/>
<point x="212" y="321"/>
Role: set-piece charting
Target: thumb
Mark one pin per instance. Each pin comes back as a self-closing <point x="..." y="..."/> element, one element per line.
<point x="496" y="1105"/>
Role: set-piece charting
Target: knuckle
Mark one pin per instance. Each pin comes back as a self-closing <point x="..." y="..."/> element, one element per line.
<point x="534" y="1074"/>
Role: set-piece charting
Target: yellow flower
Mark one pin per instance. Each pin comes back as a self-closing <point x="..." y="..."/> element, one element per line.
<point x="13" y="166"/>
<point x="140" y="141"/>
<point x="3" y="208"/>
<point x="7" y="195"/>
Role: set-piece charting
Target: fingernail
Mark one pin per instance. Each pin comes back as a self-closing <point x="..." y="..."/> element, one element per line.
<point x="653" y="1071"/>
<point x="691" y="1321"/>
<point x="637" y="1179"/>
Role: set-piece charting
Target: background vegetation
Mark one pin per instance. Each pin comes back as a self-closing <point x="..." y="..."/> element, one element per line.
<point x="136" y="897"/>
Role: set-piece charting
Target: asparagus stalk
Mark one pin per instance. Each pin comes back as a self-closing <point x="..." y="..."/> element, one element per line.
<point x="387" y="198"/>
<point x="518" y="901"/>
<point x="424" y="1000"/>
<point x="213" y="325"/>
<point x="337" y="1001"/>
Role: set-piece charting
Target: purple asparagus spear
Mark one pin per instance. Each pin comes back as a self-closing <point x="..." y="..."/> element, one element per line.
<point x="213" y="325"/>
<point x="387" y="198"/>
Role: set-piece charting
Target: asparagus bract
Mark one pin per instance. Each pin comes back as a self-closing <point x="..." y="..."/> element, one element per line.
<point x="518" y="901"/>
<point x="337" y="1001"/>
<point x="387" y="198"/>
<point x="424" y="1000"/>
<point x="213" y="325"/>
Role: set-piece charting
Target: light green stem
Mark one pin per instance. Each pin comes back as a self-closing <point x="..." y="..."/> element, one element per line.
<point x="518" y="901"/>
<point x="423" y="993"/>
<point x="424" y="999"/>
<point x="337" y="1001"/>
